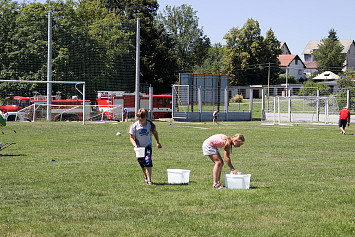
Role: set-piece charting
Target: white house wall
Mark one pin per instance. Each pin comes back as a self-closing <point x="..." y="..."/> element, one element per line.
<point x="294" y="69"/>
<point x="350" y="58"/>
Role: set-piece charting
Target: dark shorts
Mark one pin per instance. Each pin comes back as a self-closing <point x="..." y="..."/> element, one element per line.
<point x="342" y="123"/>
<point x="147" y="160"/>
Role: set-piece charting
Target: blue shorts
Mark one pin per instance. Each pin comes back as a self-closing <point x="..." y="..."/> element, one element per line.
<point x="147" y="160"/>
<point x="342" y="123"/>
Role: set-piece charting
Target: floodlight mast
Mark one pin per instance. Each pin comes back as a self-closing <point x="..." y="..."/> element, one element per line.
<point x="137" y="67"/>
<point x="49" y="67"/>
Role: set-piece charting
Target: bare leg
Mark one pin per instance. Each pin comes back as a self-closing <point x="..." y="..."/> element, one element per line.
<point x="148" y="171"/>
<point x="219" y="173"/>
<point x="217" y="169"/>
<point x="145" y="173"/>
<point x="342" y="130"/>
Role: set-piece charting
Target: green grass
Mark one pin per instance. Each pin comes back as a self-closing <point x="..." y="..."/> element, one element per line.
<point x="244" y="106"/>
<point x="302" y="182"/>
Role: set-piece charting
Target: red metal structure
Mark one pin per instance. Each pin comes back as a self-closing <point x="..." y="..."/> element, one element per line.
<point x="112" y="103"/>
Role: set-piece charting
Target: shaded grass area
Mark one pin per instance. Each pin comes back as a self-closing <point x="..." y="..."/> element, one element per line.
<point x="66" y="179"/>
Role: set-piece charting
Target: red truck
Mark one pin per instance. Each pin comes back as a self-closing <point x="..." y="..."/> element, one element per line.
<point x="112" y="103"/>
<point x="69" y="109"/>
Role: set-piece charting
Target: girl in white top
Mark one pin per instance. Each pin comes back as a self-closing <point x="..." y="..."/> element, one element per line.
<point x="141" y="136"/>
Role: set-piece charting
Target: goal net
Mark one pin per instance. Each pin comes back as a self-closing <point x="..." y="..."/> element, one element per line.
<point x="300" y="109"/>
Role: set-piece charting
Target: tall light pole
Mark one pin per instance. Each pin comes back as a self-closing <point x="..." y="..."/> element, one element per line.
<point x="49" y="67"/>
<point x="137" y="67"/>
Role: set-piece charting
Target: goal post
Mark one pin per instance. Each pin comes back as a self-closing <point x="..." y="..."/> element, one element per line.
<point x="298" y="109"/>
<point x="82" y="92"/>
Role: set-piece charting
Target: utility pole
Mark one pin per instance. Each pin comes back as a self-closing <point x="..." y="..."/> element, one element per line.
<point x="286" y="81"/>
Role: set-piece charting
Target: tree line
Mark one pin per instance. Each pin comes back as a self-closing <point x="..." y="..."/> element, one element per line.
<point x="94" y="41"/>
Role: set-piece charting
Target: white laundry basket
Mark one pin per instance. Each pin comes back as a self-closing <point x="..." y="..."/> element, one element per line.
<point x="178" y="176"/>
<point x="140" y="152"/>
<point x="237" y="181"/>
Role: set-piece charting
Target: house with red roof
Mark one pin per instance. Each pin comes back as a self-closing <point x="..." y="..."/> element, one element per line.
<point x="311" y="66"/>
<point x="292" y="65"/>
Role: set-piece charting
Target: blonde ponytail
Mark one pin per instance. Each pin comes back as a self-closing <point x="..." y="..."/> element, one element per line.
<point x="228" y="142"/>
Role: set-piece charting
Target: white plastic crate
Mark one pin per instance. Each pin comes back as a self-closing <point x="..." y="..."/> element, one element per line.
<point x="140" y="152"/>
<point x="178" y="176"/>
<point x="237" y="181"/>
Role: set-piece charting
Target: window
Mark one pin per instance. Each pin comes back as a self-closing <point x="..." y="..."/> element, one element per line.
<point x="13" y="102"/>
<point x="167" y="101"/>
<point x="160" y="101"/>
<point x="24" y="103"/>
<point x="307" y="57"/>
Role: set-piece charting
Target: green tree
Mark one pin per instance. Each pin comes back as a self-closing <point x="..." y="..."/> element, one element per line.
<point x="282" y="79"/>
<point x="213" y="62"/>
<point x="22" y="44"/>
<point x="158" y="66"/>
<point x="90" y="43"/>
<point x="190" y="45"/>
<point x="347" y="80"/>
<point x="345" y="83"/>
<point x="329" y="54"/>
<point x="271" y="52"/>
<point x="310" y="89"/>
<point x="247" y="54"/>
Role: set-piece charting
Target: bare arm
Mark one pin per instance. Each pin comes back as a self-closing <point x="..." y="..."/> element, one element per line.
<point x="156" y="136"/>
<point x="132" y="140"/>
<point x="228" y="160"/>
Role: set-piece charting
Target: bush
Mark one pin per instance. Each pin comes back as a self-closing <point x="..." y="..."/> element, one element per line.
<point x="310" y="89"/>
<point x="282" y="79"/>
<point x="237" y="99"/>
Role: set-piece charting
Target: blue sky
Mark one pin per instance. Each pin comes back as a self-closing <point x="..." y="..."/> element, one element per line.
<point x="295" y="22"/>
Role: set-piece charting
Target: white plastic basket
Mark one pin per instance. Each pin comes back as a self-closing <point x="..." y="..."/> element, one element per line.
<point x="237" y="181"/>
<point x="178" y="176"/>
<point x="140" y="152"/>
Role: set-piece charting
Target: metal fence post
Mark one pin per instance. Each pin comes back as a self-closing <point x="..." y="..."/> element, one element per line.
<point x="289" y="109"/>
<point x="226" y="102"/>
<point x="274" y="110"/>
<point x="263" y="104"/>
<point x="150" y="102"/>
<point x="251" y="104"/>
<point x="317" y="112"/>
<point x="199" y="102"/>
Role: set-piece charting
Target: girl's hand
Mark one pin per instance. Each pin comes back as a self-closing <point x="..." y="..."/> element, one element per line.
<point x="235" y="172"/>
<point x="158" y="145"/>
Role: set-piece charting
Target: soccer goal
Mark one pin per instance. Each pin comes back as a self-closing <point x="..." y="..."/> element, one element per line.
<point x="24" y="107"/>
<point x="298" y="109"/>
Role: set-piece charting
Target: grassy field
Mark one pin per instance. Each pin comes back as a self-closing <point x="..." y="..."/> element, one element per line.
<point x="244" y="106"/>
<point x="69" y="179"/>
